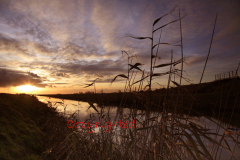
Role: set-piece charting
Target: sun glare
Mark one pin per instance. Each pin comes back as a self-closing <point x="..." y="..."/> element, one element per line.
<point x="27" y="88"/>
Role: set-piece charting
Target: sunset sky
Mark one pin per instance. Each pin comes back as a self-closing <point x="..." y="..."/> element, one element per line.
<point x="60" y="45"/>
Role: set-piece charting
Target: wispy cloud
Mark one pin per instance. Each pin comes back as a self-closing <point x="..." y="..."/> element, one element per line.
<point x="73" y="42"/>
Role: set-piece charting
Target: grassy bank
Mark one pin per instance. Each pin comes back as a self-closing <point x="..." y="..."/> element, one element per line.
<point x="28" y="128"/>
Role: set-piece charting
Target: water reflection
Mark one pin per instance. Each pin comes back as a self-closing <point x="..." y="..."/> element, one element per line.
<point x="81" y="112"/>
<point x="220" y="131"/>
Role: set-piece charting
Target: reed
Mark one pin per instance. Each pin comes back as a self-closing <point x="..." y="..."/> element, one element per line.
<point x="165" y="133"/>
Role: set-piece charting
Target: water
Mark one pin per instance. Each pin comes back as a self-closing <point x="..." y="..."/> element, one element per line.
<point x="83" y="112"/>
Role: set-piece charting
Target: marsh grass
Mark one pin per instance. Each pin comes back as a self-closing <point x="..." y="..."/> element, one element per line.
<point x="164" y="128"/>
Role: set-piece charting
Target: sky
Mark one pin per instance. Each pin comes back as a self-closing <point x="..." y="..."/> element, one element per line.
<point x="59" y="46"/>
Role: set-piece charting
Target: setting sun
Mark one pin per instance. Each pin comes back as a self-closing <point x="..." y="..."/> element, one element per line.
<point x="27" y="88"/>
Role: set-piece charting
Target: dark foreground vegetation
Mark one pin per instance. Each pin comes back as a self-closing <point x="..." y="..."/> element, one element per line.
<point x="29" y="129"/>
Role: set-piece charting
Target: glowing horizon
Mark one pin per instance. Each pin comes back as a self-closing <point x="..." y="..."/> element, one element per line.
<point x="26" y="88"/>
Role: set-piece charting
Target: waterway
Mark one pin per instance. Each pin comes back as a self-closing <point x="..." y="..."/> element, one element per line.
<point x="81" y="112"/>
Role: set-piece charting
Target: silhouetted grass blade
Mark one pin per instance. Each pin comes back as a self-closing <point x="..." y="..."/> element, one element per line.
<point x="154" y="56"/>
<point x="156" y="21"/>
<point x="188" y="149"/>
<point x="140" y="80"/>
<point x="135" y="37"/>
<point x="135" y="66"/>
<point x="166" y="25"/>
<point x="120" y="75"/>
<point x="194" y="131"/>
<point x="88" y="85"/>
<point x="160" y="74"/>
<point x="163" y="65"/>
<point x="175" y="83"/>
<point x="190" y="139"/>
<point x="159" y="44"/>
<point x="91" y="105"/>
<point x="168" y="64"/>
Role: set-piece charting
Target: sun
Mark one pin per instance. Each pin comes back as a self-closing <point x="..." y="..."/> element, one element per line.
<point x="27" y="88"/>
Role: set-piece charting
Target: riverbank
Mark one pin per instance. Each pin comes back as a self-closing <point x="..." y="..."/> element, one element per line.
<point x="29" y="129"/>
<point x="216" y="90"/>
<point x="213" y="99"/>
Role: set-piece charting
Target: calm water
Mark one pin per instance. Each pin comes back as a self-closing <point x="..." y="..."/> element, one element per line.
<point x="82" y="112"/>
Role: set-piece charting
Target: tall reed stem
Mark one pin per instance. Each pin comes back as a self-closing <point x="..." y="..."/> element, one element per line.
<point x="181" y="46"/>
<point x="209" y="49"/>
<point x="204" y="65"/>
<point x="150" y="84"/>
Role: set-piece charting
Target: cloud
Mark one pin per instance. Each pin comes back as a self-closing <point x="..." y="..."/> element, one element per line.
<point x="43" y="49"/>
<point x="78" y="41"/>
<point x="8" y="44"/>
<point x="102" y="67"/>
<point x="33" y="75"/>
<point x="62" y="75"/>
<point x="23" y="48"/>
<point x="13" y="78"/>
